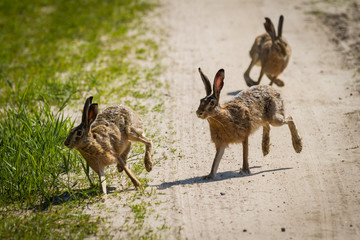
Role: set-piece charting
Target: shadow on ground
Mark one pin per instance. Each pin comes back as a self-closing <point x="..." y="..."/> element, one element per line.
<point x="234" y="93"/>
<point x="219" y="177"/>
<point x="77" y="195"/>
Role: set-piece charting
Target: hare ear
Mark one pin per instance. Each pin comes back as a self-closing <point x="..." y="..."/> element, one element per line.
<point x="280" y="25"/>
<point x="92" y="114"/>
<point x="206" y="83"/>
<point x="85" y="112"/>
<point x="218" y="83"/>
<point x="270" y="29"/>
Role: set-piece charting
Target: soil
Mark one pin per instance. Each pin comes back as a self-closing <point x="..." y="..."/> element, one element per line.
<point x="344" y="29"/>
<point x="311" y="195"/>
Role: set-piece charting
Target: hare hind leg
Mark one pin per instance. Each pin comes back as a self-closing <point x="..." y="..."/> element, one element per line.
<point x="123" y="166"/>
<point x="124" y="157"/>
<point x="245" y="168"/>
<point x="266" y="139"/>
<point x="248" y="80"/>
<point x="136" y="135"/>
<point x="279" y="120"/>
<point x="296" y="139"/>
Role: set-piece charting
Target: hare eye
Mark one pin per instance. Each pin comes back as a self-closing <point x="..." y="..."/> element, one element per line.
<point x="78" y="133"/>
<point x="212" y="103"/>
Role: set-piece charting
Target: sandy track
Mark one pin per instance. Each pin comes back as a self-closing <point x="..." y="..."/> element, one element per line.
<point x="312" y="195"/>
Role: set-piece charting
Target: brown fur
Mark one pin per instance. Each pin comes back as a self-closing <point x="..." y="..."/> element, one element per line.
<point x="271" y="52"/>
<point x="234" y="121"/>
<point x="105" y="138"/>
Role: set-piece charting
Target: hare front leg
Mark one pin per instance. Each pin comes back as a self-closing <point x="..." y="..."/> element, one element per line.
<point x="219" y="153"/>
<point x="245" y="169"/>
<point x="102" y="180"/>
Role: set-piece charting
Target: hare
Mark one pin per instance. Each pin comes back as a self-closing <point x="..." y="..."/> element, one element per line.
<point x="234" y="121"/>
<point x="105" y="138"/>
<point x="271" y="52"/>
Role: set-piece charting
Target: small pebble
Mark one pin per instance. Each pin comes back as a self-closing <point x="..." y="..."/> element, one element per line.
<point x="283" y="229"/>
<point x="222" y="193"/>
<point x="350" y="225"/>
<point x="244" y="230"/>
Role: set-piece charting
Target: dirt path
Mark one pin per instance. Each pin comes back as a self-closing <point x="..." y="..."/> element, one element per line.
<point x="312" y="195"/>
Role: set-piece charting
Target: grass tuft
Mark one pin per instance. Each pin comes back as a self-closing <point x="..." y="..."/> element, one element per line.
<point x="34" y="160"/>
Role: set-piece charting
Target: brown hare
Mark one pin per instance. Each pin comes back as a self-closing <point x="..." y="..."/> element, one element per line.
<point x="234" y="121"/>
<point x="271" y="52"/>
<point x="105" y="138"/>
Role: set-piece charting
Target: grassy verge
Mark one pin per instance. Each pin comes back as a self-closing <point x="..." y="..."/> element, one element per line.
<point x="57" y="48"/>
<point x="52" y="55"/>
<point x="33" y="159"/>
<point x="65" y="223"/>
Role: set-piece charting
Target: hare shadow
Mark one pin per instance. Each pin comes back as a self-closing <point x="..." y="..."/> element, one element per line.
<point x="234" y="93"/>
<point x="78" y="194"/>
<point x="219" y="177"/>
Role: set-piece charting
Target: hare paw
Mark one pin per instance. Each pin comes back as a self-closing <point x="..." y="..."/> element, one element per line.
<point x="137" y="184"/>
<point x="249" y="82"/>
<point x="297" y="144"/>
<point x="279" y="82"/>
<point x="120" y="168"/>
<point x="148" y="166"/>
<point x="265" y="148"/>
<point x="265" y="151"/>
<point x="245" y="171"/>
<point x="103" y="197"/>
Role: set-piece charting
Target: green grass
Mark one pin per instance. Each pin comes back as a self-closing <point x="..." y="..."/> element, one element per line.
<point x="315" y="12"/>
<point x="136" y="228"/>
<point x="59" y="224"/>
<point x="34" y="159"/>
<point x="52" y="55"/>
<point x="56" y="48"/>
<point x="59" y="51"/>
